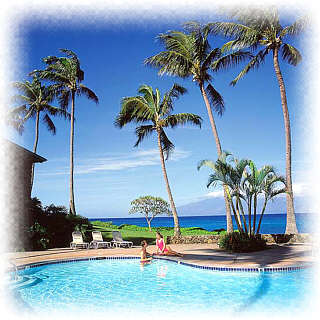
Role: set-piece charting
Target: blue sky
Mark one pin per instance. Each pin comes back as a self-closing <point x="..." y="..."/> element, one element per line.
<point x="109" y="171"/>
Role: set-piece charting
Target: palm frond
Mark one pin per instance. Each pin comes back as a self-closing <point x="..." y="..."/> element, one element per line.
<point x="229" y="29"/>
<point x="134" y="109"/>
<point x="88" y="93"/>
<point x="230" y="60"/>
<point x="296" y="28"/>
<point x="49" y="124"/>
<point x="64" y="98"/>
<point x="166" y="144"/>
<point x="181" y="119"/>
<point x="255" y="62"/>
<point x="290" y="54"/>
<point x="207" y="163"/>
<point x="171" y="63"/>
<point x="216" y="100"/>
<point x="142" y="132"/>
<point x="166" y="106"/>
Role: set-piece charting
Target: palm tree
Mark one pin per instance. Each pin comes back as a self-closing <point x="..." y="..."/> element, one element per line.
<point x="36" y="99"/>
<point x="189" y="55"/>
<point x="66" y="74"/>
<point x="261" y="28"/>
<point x="244" y="182"/>
<point x="148" y="107"/>
<point x="270" y="191"/>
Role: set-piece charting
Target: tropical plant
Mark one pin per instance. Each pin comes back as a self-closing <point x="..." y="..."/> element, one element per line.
<point x="36" y="99"/>
<point x="66" y="75"/>
<point x="189" y="55"/>
<point x="241" y="242"/>
<point x="148" y="107"/>
<point x="150" y="207"/>
<point x="261" y="28"/>
<point x="244" y="182"/>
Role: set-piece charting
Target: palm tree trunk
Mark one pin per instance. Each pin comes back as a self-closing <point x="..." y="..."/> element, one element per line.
<point x="35" y="145"/>
<point x="249" y="214"/>
<point x="243" y="216"/>
<point x="177" y="231"/>
<point x="291" y="227"/>
<point x="218" y="145"/>
<point x="254" y="213"/>
<point x="72" y="209"/>
<point x="262" y="212"/>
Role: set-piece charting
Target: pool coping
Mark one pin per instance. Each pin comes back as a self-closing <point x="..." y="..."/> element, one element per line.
<point x="193" y="265"/>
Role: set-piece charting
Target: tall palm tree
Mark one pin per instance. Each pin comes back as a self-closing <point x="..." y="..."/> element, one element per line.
<point x="66" y="74"/>
<point x="148" y="107"/>
<point x="189" y="55"/>
<point x="261" y="28"/>
<point x="36" y="99"/>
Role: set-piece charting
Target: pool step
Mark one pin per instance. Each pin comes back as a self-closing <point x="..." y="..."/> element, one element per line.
<point x="24" y="282"/>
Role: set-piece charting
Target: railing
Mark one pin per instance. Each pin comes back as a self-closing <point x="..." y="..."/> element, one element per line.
<point x="16" y="277"/>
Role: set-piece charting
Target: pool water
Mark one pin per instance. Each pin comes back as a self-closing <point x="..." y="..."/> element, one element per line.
<point x="162" y="286"/>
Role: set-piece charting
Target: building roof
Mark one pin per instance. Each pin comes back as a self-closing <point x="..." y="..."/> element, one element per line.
<point x="33" y="156"/>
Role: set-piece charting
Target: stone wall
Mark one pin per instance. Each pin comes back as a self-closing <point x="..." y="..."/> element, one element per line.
<point x="287" y="238"/>
<point x="193" y="239"/>
<point x="271" y="238"/>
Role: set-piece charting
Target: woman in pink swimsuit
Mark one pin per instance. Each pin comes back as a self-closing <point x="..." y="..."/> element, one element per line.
<point x="163" y="249"/>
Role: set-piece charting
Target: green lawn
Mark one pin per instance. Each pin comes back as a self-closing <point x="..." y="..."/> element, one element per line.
<point x="136" y="234"/>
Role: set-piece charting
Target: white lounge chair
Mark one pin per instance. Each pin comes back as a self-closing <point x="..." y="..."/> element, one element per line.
<point x="77" y="241"/>
<point x="119" y="242"/>
<point x="97" y="241"/>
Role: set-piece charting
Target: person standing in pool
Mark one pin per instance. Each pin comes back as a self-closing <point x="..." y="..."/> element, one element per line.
<point x="146" y="257"/>
<point x="163" y="249"/>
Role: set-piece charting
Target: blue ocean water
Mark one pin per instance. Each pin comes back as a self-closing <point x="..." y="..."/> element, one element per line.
<point x="271" y="223"/>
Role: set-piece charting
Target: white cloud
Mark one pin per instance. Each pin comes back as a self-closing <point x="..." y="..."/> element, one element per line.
<point x="214" y="194"/>
<point x="116" y="162"/>
<point x="299" y="189"/>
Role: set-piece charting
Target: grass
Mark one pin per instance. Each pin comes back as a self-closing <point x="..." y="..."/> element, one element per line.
<point x="136" y="234"/>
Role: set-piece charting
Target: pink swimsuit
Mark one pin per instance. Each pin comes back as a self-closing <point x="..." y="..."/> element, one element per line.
<point x="160" y="245"/>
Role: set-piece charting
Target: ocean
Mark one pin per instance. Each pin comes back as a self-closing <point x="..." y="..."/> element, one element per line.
<point x="271" y="223"/>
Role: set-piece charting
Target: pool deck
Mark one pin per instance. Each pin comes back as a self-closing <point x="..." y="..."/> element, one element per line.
<point x="199" y="254"/>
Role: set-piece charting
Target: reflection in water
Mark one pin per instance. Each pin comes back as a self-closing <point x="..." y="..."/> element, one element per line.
<point x="162" y="271"/>
<point x="262" y="289"/>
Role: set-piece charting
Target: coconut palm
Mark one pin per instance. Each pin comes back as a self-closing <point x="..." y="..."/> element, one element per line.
<point x="36" y="99"/>
<point x="154" y="113"/>
<point x="244" y="182"/>
<point x="66" y="75"/>
<point x="189" y="55"/>
<point x="261" y="29"/>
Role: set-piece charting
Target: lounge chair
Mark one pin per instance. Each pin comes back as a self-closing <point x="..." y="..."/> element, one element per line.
<point x="77" y="241"/>
<point x="97" y="241"/>
<point x="119" y="242"/>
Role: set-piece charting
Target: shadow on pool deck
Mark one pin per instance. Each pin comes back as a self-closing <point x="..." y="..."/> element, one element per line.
<point x="275" y="254"/>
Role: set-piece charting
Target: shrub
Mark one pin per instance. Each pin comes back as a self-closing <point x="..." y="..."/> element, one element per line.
<point x="241" y="242"/>
<point x="51" y="226"/>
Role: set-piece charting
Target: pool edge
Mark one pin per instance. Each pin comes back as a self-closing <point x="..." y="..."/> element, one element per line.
<point x="193" y="265"/>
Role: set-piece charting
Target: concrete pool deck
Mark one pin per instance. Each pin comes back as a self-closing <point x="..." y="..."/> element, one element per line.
<point x="200" y="254"/>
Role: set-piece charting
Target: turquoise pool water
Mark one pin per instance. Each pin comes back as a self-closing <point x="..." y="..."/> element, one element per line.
<point x="161" y="287"/>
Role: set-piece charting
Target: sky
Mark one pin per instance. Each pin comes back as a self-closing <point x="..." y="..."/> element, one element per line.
<point x="109" y="171"/>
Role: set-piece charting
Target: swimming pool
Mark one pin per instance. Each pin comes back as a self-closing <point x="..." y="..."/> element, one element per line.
<point x="162" y="287"/>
